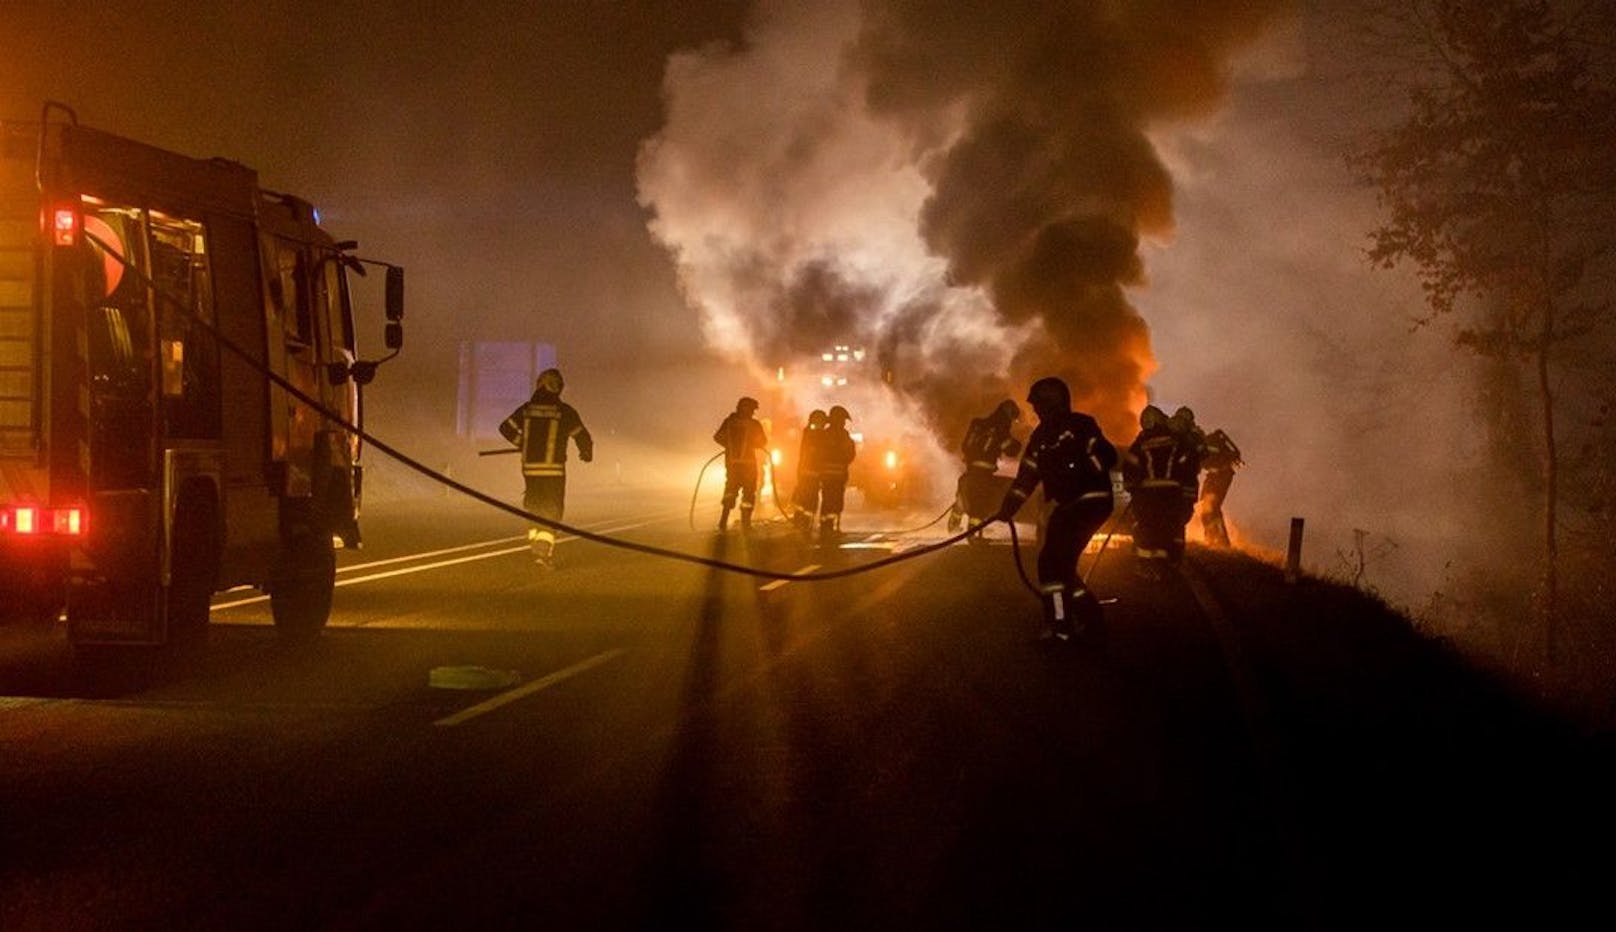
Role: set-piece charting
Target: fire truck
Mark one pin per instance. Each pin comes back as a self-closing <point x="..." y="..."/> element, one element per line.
<point x="159" y="317"/>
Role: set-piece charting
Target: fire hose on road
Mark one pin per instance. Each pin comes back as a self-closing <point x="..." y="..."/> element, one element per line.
<point x="417" y="466"/>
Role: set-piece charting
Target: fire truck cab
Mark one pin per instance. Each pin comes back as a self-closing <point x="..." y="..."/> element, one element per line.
<point x="147" y="457"/>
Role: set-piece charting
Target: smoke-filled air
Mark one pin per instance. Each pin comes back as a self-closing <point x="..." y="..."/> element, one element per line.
<point x="962" y="190"/>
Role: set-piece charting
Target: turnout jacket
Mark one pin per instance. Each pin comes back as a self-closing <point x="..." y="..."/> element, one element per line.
<point x="541" y="429"/>
<point x="811" y="452"/>
<point x="987" y="439"/>
<point x="741" y="436"/>
<point x="1070" y="456"/>
<point x="1221" y="453"/>
<point x="1161" y="456"/>
<point x="836" y="452"/>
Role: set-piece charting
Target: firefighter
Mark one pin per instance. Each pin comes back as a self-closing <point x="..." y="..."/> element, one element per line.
<point x="1071" y="457"/>
<point x="1221" y="460"/>
<point x="1187" y="472"/>
<point x="986" y="440"/>
<point x="836" y="455"/>
<point x="743" y="439"/>
<point x="806" y="495"/>
<point x="1154" y="471"/>
<point x="540" y="429"/>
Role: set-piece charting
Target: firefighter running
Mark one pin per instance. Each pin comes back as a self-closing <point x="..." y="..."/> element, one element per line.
<point x="1220" y="462"/>
<point x="743" y="439"/>
<point x="541" y="428"/>
<point x="1069" y="455"/>
<point x="986" y="440"/>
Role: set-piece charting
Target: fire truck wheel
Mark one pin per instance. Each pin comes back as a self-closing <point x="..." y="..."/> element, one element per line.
<point x="195" y="568"/>
<point x="300" y="595"/>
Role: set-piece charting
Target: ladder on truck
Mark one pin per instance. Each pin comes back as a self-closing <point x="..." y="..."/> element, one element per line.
<point x="19" y="350"/>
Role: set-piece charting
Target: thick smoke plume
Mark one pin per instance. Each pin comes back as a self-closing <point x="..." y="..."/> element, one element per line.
<point x="962" y="188"/>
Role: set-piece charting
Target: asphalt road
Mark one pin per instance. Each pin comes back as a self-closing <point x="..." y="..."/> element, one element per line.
<point x="675" y="746"/>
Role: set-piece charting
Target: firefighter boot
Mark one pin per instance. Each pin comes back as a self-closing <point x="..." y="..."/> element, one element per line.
<point x="746" y="518"/>
<point x="542" y="545"/>
<point x="1057" y="606"/>
<point x="1089" y="616"/>
<point x="723" y="519"/>
<point x="830" y="526"/>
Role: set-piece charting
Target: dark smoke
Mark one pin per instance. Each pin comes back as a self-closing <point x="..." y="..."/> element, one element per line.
<point x="963" y="187"/>
<point x="1044" y="195"/>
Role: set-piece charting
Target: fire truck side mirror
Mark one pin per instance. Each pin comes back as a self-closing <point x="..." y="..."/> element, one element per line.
<point x="395" y="301"/>
<point x="394" y="335"/>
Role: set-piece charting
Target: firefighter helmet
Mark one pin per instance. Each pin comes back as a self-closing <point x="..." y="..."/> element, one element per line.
<point x="1050" y="393"/>
<point x="1152" y="416"/>
<point x="746" y="405"/>
<point x="550" y="381"/>
<point x="1008" y="410"/>
<point x="817" y="418"/>
<point x="1184" y="415"/>
<point x="839" y="415"/>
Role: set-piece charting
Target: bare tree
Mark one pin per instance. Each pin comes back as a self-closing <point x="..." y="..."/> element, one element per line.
<point x="1497" y="183"/>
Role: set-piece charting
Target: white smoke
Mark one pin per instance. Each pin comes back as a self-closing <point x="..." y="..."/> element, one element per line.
<point x="963" y="190"/>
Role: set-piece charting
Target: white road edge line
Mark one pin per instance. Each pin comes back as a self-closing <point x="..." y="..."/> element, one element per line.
<point x="430" y="566"/>
<point x="528" y="689"/>
<point x="430" y="553"/>
<point x="771" y="586"/>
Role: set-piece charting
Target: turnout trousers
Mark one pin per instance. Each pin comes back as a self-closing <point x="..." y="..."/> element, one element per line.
<point x="546" y="497"/>
<point x="1071" y="526"/>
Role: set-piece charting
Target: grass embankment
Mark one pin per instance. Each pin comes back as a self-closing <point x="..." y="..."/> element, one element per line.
<point x="1426" y="787"/>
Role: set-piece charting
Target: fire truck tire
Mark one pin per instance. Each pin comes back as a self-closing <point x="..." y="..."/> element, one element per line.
<point x="194" y="568"/>
<point x="300" y="595"/>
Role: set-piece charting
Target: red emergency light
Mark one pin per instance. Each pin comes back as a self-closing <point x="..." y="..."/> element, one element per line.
<point x="65" y="221"/>
<point x="20" y="520"/>
<point x="30" y="521"/>
<point x="68" y="522"/>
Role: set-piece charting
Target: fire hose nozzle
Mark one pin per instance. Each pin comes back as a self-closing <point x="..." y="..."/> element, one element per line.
<point x="498" y="452"/>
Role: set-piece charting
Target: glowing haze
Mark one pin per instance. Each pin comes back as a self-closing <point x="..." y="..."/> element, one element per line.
<point x="961" y="188"/>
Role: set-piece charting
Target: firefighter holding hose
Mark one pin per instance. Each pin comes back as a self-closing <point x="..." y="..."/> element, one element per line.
<point x="743" y="439"/>
<point x="1069" y="455"/>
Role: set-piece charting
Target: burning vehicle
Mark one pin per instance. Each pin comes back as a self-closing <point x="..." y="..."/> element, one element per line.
<point x="894" y="463"/>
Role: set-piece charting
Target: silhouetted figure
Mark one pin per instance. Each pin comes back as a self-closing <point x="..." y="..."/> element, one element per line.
<point x="1220" y="462"/>
<point x="979" y="489"/>
<point x="1071" y="458"/>
<point x="742" y="438"/>
<point x="1160" y="472"/>
<point x="836" y="455"/>
<point x="810" y="454"/>
<point x="541" y="429"/>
